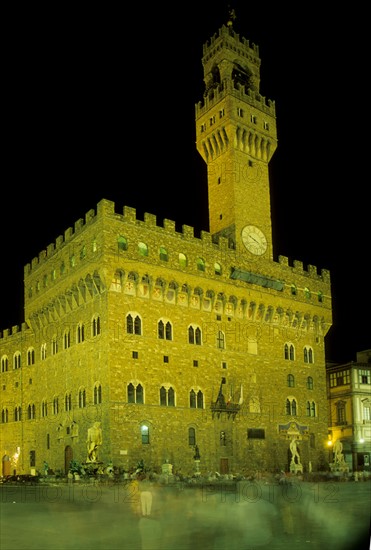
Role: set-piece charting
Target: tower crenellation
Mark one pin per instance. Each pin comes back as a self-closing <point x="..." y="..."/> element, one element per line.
<point x="248" y="49"/>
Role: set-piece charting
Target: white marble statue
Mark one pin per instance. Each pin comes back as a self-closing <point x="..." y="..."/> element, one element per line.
<point x="294" y="452"/>
<point x="94" y="441"/>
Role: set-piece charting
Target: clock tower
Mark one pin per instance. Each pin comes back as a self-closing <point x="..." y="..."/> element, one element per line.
<point x="236" y="136"/>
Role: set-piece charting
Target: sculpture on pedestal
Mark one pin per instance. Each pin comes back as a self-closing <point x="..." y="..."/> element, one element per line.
<point x="94" y="441"/>
<point x="338" y="452"/>
<point x="295" y="465"/>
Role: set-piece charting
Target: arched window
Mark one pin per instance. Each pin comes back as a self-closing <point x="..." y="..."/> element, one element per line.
<point x="289" y="351"/>
<point x="163" y="254"/>
<point x="4" y="363"/>
<point x="192" y="399"/>
<point x="201" y="264"/>
<point x="133" y="324"/>
<point x="44" y="408"/>
<point x="31" y="356"/>
<point x="191" y="437"/>
<point x="54" y="345"/>
<point x="143" y="249"/>
<point x="131" y="393"/>
<point x="17" y="360"/>
<point x="31" y="411"/>
<point x="139" y="394"/>
<point x="310" y="383"/>
<point x="308" y="354"/>
<point x="200" y="400"/>
<point x="171" y="397"/>
<point x="67" y="339"/>
<point x="67" y="402"/>
<point x="311" y="408"/>
<point x="43" y="351"/>
<point x="80" y="333"/>
<point x="290" y="380"/>
<point x="194" y="335"/>
<point x="135" y="393"/>
<point x="182" y="260"/>
<point x="17" y="414"/>
<point x="144" y="432"/>
<point x="82" y="398"/>
<point x="291" y="408"/>
<point x="122" y="244"/>
<point x="97" y="394"/>
<point x="96" y="326"/>
<point x="167" y="397"/>
<point x="165" y="330"/>
<point x="196" y="400"/>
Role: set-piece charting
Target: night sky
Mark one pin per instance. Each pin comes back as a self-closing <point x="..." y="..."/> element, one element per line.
<point x="99" y="103"/>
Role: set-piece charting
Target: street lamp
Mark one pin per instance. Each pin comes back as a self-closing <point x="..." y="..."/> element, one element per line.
<point x="330" y="452"/>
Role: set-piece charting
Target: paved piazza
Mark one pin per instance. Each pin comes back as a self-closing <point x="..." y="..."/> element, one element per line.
<point x="313" y="516"/>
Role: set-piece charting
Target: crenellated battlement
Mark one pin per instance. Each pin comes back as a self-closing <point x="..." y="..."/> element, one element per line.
<point x="106" y="211"/>
<point x="69" y="234"/>
<point x="20" y="330"/>
<point x="226" y="33"/>
<point x="250" y="96"/>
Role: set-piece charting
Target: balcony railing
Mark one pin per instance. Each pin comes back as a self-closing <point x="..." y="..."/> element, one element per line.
<point x="220" y="407"/>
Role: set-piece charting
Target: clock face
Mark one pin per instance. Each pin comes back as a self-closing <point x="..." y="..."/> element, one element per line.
<point x="254" y="240"/>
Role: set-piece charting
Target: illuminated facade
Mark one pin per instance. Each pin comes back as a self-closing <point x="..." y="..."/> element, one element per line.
<point x="172" y="340"/>
<point x="349" y="397"/>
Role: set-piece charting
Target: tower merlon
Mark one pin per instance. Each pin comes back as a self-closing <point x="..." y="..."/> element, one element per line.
<point x="254" y="99"/>
<point x="169" y="225"/>
<point x="150" y="219"/>
<point x="311" y="271"/>
<point x="16" y="329"/>
<point x="224" y="33"/>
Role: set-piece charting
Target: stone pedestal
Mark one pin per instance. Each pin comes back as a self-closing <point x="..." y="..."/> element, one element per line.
<point x="342" y="468"/>
<point x="167" y="469"/>
<point x="93" y="468"/>
<point x="296" y="468"/>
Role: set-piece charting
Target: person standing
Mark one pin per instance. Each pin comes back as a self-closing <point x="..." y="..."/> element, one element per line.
<point x="146" y="497"/>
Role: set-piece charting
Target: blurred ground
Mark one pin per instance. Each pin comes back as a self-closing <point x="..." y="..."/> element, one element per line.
<point x="312" y="516"/>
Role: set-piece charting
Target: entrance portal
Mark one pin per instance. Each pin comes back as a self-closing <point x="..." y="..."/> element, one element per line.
<point x="224" y="466"/>
<point x="68" y="456"/>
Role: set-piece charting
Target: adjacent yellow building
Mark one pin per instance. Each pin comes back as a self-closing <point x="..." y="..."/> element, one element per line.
<point x="169" y="340"/>
<point x="349" y="398"/>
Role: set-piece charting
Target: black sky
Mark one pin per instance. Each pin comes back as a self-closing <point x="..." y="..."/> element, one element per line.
<point x="100" y="104"/>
